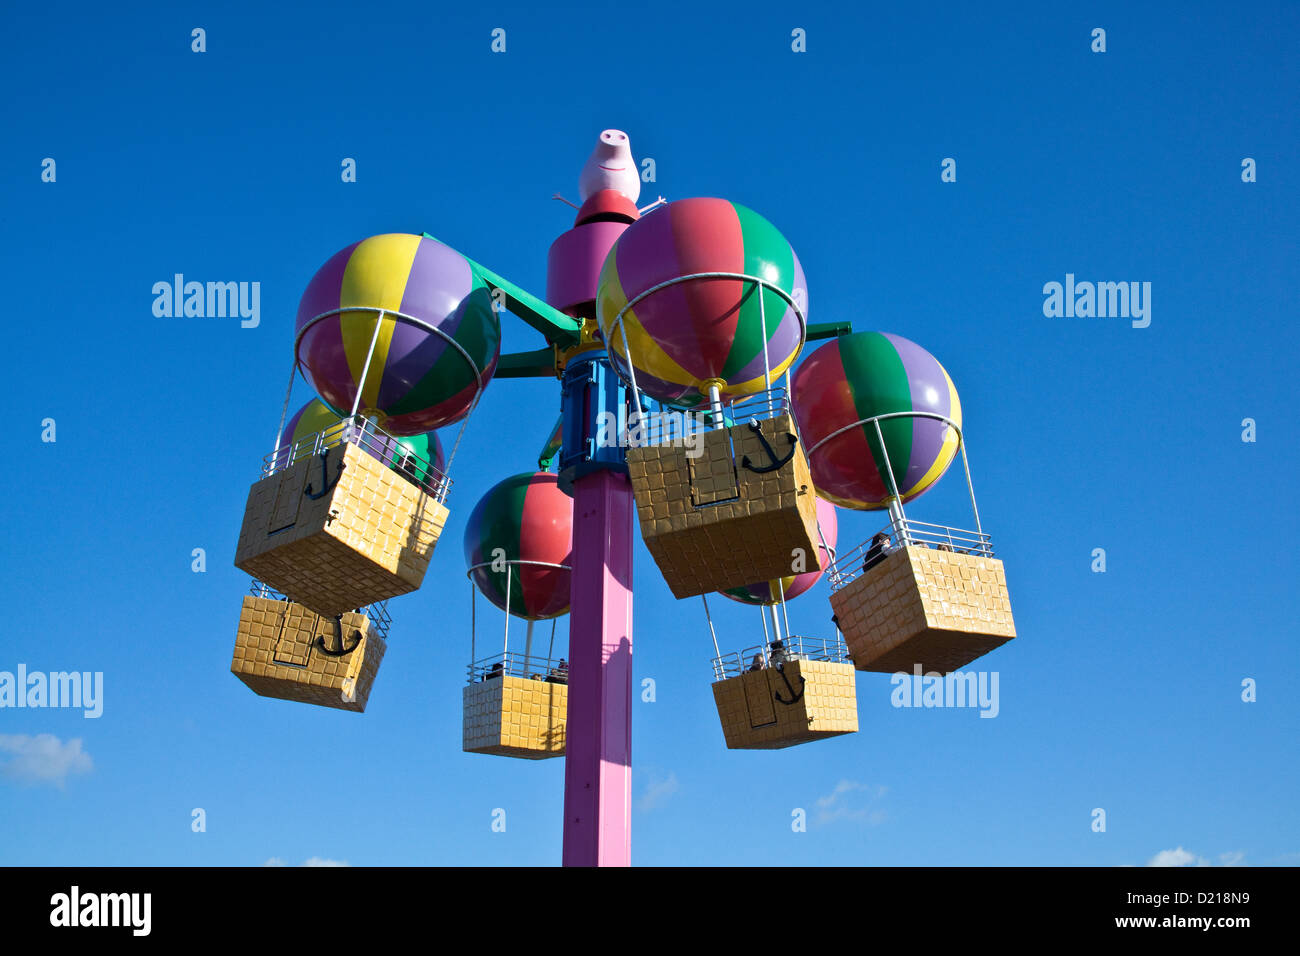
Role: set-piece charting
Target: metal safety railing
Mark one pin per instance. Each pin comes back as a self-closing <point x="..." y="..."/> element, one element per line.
<point x="662" y="424"/>
<point x="794" y="647"/>
<point x="513" y="664"/>
<point x="380" y="619"/>
<point x="901" y="533"/>
<point x="371" y="439"/>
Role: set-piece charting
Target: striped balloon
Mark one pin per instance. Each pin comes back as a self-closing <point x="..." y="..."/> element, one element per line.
<point x="860" y="376"/>
<point x="524" y="518"/>
<point x="316" y="417"/>
<point x="767" y="592"/>
<point x="418" y="380"/>
<point x="702" y="330"/>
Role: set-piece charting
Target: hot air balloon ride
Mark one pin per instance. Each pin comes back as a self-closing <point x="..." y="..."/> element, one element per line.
<point x="791" y="689"/>
<point x="702" y="304"/>
<point x="399" y="330"/>
<point x="518" y="543"/>
<point x="883" y="423"/>
<point x="285" y="650"/>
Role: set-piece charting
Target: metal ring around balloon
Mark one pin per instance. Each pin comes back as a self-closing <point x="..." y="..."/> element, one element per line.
<point x="764" y="283"/>
<point x="382" y="313"/>
<point x="889" y="469"/>
<point x="544" y="564"/>
<point x="297" y="340"/>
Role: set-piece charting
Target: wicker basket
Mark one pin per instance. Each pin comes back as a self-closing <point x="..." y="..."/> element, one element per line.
<point x="754" y="716"/>
<point x="281" y="651"/>
<point x="338" y="531"/>
<point x="515" y="717"/>
<point x="921" y="606"/>
<point x="717" y="519"/>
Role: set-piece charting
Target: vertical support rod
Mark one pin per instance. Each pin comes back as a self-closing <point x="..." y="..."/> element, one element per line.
<point x="712" y="633"/>
<point x="896" y="502"/>
<point x="715" y="404"/>
<point x="528" y="647"/>
<point x="785" y="614"/>
<point x="365" y="369"/>
<point x="767" y="368"/>
<point x="505" y="651"/>
<point x="284" y="413"/>
<point x="631" y="369"/>
<point x="598" y="748"/>
<point x="961" y="443"/>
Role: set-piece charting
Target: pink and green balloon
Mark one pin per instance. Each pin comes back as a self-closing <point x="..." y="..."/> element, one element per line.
<point x="526" y="519"/>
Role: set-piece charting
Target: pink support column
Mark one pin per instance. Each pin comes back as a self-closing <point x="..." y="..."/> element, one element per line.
<point x="598" y="744"/>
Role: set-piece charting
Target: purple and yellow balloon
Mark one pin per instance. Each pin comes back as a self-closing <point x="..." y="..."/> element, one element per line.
<point x="858" y="377"/>
<point x="421" y="376"/>
<point x="316" y="417"/>
<point x="703" y="331"/>
<point x="525" y="521"/>
<point x="768" y="592"/>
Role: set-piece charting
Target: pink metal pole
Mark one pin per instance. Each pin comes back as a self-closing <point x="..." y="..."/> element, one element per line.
<point x="598" y="740"/>
<point x="598" y="744"/>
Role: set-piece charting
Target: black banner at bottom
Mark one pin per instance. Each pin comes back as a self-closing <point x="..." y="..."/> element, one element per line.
<point x="333" y="905"/>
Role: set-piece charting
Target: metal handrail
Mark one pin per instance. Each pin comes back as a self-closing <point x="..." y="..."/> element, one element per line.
<point x="374" y="441"/>
<point x="662" y="423"/>
<point x="377" y="613"/>
<point x="795" y="647"/>
<point x="552" y="670"/>
<point x="851" y="565"/>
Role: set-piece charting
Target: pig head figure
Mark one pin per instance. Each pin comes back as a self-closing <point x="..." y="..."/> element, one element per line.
<point x="610" y="166"/>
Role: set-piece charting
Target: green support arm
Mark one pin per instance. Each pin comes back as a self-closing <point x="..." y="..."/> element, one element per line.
<point x="539" y="363"/>
<point x="828" y="330"/>
<point x="558" y="328"/>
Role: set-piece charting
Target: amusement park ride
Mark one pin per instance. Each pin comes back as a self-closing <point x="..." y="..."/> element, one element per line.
<point x="673" y="335"/>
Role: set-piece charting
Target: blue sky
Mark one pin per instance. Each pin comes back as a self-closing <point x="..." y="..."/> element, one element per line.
<point x="1123" y="690"/>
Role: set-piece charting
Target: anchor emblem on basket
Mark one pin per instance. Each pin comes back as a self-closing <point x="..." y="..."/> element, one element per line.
<point x="795" y="696"/>
<point x="328" y="485"/>
<point x="777" y="462"/>
<point x="343" y="649"/>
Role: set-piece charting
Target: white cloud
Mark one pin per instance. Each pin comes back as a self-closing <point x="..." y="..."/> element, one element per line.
<point x="1178" y="857"/>
<point x="314" y="861"/>
<point x="658" y="791"/>
<point x="850" y="800"/>
<point x="43" y="758"/>
<point x="1235" y="858"/>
